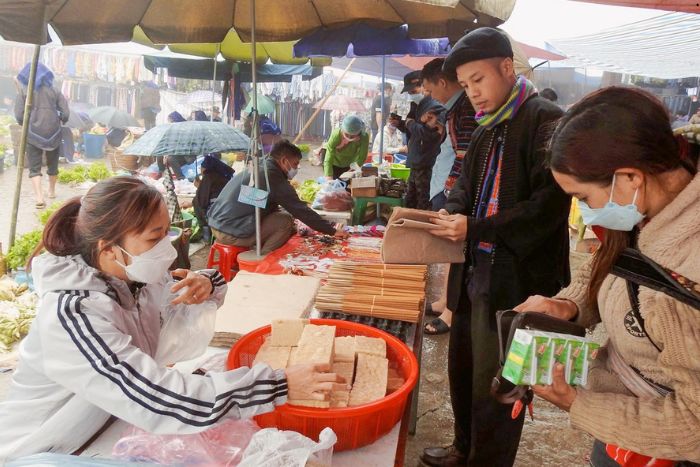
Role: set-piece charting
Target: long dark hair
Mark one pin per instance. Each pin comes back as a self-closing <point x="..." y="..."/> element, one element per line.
<point x="110" y="210"/>
<point x="614" y="128"/>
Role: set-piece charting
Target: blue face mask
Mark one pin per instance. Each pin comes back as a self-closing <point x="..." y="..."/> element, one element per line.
<point x="416" y="98"/>
<point x="612" y="216"/>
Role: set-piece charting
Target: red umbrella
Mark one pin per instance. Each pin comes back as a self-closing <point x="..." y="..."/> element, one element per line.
<point x="344" y="103"/>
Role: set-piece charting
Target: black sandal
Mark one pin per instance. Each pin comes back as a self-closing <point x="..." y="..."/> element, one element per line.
<point x="439" y="327"/>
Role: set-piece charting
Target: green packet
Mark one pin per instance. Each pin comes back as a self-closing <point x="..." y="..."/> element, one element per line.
<point x="533" y="354"/>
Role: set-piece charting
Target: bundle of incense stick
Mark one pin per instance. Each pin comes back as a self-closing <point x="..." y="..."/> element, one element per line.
<point x="377" y="290"/>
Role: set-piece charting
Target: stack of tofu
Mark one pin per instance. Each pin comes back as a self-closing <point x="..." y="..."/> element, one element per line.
<point x="360" y="360"/>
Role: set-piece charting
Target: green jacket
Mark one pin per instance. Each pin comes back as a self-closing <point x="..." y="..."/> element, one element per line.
<point x="355" y="151"/>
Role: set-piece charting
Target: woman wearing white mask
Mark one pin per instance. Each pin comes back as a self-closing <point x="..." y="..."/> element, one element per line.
<point x="347" y="144"/>
<point x="615" y="151"/>
<point x="105" y="291"/>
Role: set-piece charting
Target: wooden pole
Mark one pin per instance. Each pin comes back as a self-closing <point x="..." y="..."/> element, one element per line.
<point x="323" y="101"/>
<point x="29" y="101"/>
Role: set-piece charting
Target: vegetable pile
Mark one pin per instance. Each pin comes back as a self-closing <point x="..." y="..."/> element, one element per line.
<point x="83" y="173"/>
<point x="24" y="246"/>
<point x="307" y="190"/>
<point x="17" y="311"/>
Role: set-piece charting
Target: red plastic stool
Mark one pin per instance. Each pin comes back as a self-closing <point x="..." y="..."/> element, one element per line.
<point x="228" y="258"/>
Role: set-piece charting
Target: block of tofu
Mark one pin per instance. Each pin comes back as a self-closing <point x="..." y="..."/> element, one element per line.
<point x="293" y="359"/>
<point x="344" y="349"/>
<point x="370" y="345"/>
<point x="316" y="345"/>
<point x="311" y="403"/>
<point x="287" y="332"/>
<point x="370" y="379"/>
<point x="344" y="369"/>
<point x="340" y="399"/>
<point x="276" y="357"/>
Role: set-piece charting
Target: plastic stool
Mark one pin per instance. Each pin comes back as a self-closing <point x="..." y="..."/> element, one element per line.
<point x="228" y="258"/>
<point x="249" y="261"/>
<point x="358" y="210"/>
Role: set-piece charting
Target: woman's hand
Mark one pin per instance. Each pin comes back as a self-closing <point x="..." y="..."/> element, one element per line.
<point x="450" y="226"/>
<point x="197" y="287"/>
<point x="559" y="392"/>
<point x="312" y="382"/>
<point x="558" y="308"/>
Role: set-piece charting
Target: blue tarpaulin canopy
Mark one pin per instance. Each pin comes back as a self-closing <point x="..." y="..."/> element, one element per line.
<point x="204" y="69"/>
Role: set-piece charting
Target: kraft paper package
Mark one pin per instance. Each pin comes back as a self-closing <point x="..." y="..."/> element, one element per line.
<point x="407" y="240"/>
<point x="533" y="354"/>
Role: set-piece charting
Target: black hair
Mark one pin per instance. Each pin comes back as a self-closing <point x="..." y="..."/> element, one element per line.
<point x="433" y="71"/>
<point x="549" y="94"/>
<point x="283" y="148"/>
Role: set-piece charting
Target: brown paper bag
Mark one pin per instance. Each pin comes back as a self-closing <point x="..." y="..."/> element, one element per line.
<point x="407" y="240"/>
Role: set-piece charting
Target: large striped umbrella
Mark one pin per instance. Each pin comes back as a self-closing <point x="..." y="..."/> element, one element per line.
<point x="189" y="139"/>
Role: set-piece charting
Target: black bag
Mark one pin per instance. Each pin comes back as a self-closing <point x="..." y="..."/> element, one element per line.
<point x="507" y="322"/>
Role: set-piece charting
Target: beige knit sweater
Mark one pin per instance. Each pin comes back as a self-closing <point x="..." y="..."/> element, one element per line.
<point x="664" y="427"/>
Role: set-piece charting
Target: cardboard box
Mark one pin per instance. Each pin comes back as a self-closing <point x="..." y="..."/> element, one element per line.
<point x="364" y="187"/>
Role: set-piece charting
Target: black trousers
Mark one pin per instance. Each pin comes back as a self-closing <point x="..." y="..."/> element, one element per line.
<point x="418" y="189"/>
<point x="484" y="429"/>
<point x="338" y="171"/>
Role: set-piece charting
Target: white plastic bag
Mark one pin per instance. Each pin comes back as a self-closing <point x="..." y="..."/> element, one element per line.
<point x="222" y="445"/>
<point x="271" y="447"/>
<point x="186" y="331"/>
<point x="333" y="197"/>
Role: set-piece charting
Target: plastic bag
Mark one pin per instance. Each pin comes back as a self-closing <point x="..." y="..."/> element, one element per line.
<point x="333" y="197"/>
<point x="186" y="331"/>
<point x="274" y="448"/>
<point x="52" y="459"/>
<point x="222" y="444"/>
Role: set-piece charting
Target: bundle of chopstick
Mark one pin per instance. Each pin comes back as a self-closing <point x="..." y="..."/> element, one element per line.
<point x="390" y="291"/>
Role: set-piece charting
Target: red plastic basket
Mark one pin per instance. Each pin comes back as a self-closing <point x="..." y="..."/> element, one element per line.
<point x="354" y="426"/>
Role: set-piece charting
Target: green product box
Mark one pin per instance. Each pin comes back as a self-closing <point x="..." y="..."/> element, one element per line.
<point x="575" y="361"/>
<point x="544" y="353"/>
<point x="521" y="363"/>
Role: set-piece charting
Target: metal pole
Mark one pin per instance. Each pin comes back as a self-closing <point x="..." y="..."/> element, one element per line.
<point x="381" y="128"/>
<point x="29" y="101"/>
<point x="255" y="133"/>
<point x="213" y="85"/>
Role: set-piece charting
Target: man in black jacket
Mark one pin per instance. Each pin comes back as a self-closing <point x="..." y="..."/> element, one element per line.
<point x="233" y="222"/>
<point x="512" y="218"/>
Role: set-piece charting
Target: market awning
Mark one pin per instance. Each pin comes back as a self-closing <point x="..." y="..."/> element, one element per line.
<point x="688" y="6"/>
<point x="661" y="47"/>
<point x="204" y="69"/>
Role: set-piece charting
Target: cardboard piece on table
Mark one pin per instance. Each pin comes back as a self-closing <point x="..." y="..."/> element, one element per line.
<point x="407" y="240"/>
<point x="255" y="300"/>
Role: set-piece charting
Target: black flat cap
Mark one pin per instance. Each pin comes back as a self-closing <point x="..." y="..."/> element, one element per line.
<point x="411" y="80"/>
<point x="479" y="44"/>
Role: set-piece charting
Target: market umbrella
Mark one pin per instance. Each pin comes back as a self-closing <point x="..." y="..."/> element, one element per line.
<point x="209" y="21"/>
<point x="344" y="103"/>
<point x="265" y="105"/>
<point x="112" y="117"/>
<point x="688" y="6"/>
<point x="189" y="139"/>
<point x="79" y="120"/>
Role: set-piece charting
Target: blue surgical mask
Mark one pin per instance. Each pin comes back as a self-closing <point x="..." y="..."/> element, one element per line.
<point x="612" y="216"/>
<point x="291" y="173"/>
<point x="415" y="98"/>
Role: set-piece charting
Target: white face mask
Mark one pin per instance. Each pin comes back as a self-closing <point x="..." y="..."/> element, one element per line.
<point x="415" y="98"/>
<point x="150" y="267"/>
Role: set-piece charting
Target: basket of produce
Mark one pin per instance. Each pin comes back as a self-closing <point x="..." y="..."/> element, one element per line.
<point x="400" y="171"/>
<point x="382" y="370"/>
<point x="121" y="162"/>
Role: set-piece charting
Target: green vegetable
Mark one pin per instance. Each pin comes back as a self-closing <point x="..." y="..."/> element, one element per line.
<point x="307" y="190"/>
<point x="46" y="213"/>
<point x="82" y="173"/>
<point x="304" y="148"/>
<point x="13" y="329"/>
<point x="22" y="249"/>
